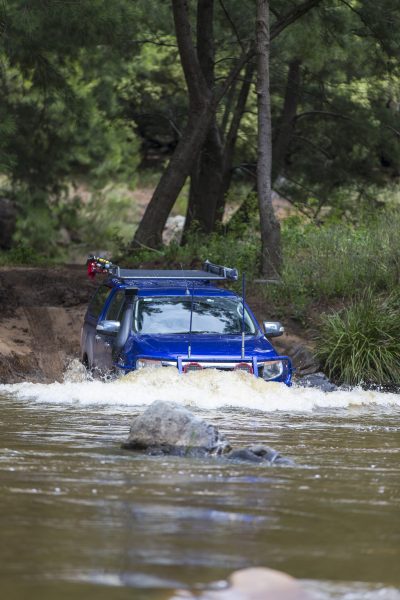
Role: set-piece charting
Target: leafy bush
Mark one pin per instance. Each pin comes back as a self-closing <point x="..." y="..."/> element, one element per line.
<point x="106" y="217"/>
<point x="333" y="260"/>
<point x="361" y="343"/>
<point x="22" y="255"/>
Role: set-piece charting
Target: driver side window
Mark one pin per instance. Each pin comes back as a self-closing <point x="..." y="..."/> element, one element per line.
<point x="115" y="309"/>
<point x="98" y="300"/>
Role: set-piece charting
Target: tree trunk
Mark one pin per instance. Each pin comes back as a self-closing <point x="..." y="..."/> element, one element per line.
<point x="8" y="220"/>
<point x="280" y="146"/>
<point x="270" y="229"/>
<point x="149" y="232"/>
<point x="205" y="184"/>
<point x="201" y="112"/>
<point x="230" y="143"/>
<point x="207" y="197"/>
<point x="207" y="173"/>
<point x="286" y="123"/>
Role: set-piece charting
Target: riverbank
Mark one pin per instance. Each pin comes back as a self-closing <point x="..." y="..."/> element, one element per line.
<point x="41" y="314"/>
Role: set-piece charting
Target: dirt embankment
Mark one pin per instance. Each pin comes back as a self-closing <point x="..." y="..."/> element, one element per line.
<point x="41" y="314"/>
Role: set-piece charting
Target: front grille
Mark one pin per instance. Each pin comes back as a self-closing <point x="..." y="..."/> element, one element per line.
<point x="223" y="366"/>
<point x="196" y="365"/>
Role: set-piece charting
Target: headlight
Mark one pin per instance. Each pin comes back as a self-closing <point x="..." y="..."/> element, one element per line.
<point x="272" y="369"/>
<point x="141" y="363"/>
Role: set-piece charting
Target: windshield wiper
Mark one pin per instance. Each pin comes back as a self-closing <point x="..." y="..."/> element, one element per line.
<point x="214" y="332"/>
<point x="194" y="332"/>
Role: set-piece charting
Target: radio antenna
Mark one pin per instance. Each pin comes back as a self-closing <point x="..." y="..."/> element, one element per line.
<point x="191" y="324"/>
<point x="186" y="282"/>
<point x="243" y="324"/>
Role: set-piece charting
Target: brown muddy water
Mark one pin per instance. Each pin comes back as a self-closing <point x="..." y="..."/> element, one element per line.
<point x="80" y="518"/>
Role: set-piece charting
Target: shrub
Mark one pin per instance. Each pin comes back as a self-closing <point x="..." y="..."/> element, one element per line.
<point x="361" y="343"/>
<point x="330" y="261"/>
<point x="105" y="218"/>
<point x="22" y="255"/>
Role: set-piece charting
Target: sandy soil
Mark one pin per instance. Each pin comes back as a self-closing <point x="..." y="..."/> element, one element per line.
<point x="41" y="314"/>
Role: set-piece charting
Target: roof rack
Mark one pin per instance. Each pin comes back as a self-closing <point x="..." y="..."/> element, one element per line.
<point x="210" y="272"/>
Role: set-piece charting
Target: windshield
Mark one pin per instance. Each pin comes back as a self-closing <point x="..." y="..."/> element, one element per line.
<point x="172" y="315"/>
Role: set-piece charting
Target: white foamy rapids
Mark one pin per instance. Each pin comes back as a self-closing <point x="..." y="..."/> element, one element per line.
<point x="208" y="389"/>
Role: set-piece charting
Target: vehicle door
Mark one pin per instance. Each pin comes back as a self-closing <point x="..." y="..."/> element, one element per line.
<point x="93" y="313"/>
<point x="106" y="331"/>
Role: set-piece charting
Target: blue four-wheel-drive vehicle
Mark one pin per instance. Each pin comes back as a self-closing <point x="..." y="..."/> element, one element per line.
<point x="141" y="319"/>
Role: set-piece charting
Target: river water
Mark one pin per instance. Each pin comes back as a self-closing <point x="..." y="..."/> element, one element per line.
<point x="82" y="518"/>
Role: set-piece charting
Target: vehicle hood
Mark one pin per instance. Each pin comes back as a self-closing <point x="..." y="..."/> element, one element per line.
<point x="227" y="347"/>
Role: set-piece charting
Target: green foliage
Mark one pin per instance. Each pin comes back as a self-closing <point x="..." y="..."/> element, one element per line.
<point x="245" y="220"/>
<point x="332" y="260"/>
<point x="37" y="227"/>
<point x="49" y="138"/>
<point x="345" y="137"/>
<point x="81" y="82"/>
<point x="53" y="140"/>
<point x="360" y="344"/>
<point x="226" y="250"/>
<point x="61" y="120"/>
<point x="73" y="225"/>
<point x="22" y="255"/>
<point x="105" y="219"/>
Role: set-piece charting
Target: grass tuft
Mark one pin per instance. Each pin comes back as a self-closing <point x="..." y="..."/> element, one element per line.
<point x="361" y="343"/>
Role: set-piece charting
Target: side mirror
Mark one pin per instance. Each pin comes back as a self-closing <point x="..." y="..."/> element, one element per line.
<point x="109" y="327"/>
<point x="273" y="328"/>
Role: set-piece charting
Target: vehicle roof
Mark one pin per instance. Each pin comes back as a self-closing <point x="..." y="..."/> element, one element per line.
<point x="172" y="288"/>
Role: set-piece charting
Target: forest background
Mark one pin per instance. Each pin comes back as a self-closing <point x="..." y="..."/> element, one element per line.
<point x="117" y="119"/>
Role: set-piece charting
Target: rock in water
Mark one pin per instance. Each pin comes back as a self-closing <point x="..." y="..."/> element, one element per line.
<point x="169" y="428"/>
<point x="303" y="360"/>
<point x="260" y="454"/>
<point x="317" y="380"/>
<point x="256" y="583"/>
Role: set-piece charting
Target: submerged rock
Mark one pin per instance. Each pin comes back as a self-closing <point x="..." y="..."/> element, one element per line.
<point x="260" y="454"/>
<point x="169" y="428"/>
<point x="257" y="583"/>
<point x="317" y="380"/>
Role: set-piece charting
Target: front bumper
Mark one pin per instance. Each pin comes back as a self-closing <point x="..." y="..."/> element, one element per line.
<point x="252" y="365"/>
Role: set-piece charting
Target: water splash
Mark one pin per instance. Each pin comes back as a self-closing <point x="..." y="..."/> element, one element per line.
<point x="208" y="389"/>
<point x="76" y="372"/>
